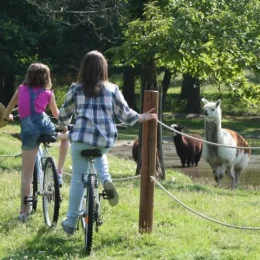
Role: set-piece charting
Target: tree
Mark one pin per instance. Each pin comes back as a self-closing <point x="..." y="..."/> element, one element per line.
<point x="27" y="37"/>
<point x="101" y="16"/>
<point x="17" y="45"/>
<point x="201" y="38"/>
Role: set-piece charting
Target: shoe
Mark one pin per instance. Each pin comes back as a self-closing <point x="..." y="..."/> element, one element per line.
<point x="24" y="216"/>
<point x="69" y="230"/>
<point x="60" y="179"/>
<point x="110" y="190"/>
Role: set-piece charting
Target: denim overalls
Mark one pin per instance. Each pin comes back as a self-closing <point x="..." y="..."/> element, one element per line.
<point x="35" y="125"/>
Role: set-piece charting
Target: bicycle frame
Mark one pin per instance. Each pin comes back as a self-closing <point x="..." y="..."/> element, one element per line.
<point x="40" y="161"/>
<point x="85" y="179"/>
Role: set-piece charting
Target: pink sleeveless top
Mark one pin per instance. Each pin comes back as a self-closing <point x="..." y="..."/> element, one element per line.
<point x="40" y="103"/>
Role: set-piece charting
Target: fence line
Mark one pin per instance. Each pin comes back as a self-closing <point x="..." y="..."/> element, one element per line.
<point x="117" y="179"/>
<point x="204" y="141"/>
<point x="199" y="214"/>
<point x="14" y="155"/>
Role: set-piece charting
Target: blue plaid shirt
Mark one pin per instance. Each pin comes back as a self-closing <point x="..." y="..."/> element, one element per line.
<point x="95" y="116"/>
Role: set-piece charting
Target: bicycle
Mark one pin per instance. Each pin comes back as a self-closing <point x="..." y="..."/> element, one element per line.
<point x="45" y="182"/>
<point x="90" y="214"/>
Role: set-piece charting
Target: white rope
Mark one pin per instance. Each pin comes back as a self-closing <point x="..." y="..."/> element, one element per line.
<point x="15" y="155"/>
<point x="118" y="179"/>
<point x="199" y="214"/>
<point x="127" y="178"/>
<point x="66" y="173"/>
<point x="204" y="141"/>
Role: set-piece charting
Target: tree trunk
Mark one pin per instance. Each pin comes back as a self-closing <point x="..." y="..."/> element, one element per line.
<point x="165" y="85"/>
<point x="2" y="92"/>
<point x="129" y="86"/>
<point x="191" y="92"/>
<point x="7" y="88"/>
<point x="149" y="82"/>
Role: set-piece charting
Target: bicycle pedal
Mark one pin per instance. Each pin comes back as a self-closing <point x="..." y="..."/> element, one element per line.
<point x="29" y="199"/>
<point x="107" y="194"/>
<point x="99" y="222"/>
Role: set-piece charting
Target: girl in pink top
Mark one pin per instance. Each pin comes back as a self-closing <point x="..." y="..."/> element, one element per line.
<point x="32" y="98"/>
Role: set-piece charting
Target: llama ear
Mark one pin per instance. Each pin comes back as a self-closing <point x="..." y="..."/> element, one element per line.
<point x="204" y="101"/>
<point x="218" y="103"/>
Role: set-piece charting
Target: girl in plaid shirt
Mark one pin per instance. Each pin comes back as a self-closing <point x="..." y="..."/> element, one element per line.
<point x="95" y="103"/>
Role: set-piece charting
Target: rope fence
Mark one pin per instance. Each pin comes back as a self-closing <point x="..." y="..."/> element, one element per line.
<point x="14" y="155"/>
<point x="204" y="141"/>
<point x="117" y="179"/>
<point x="199" y="214"/>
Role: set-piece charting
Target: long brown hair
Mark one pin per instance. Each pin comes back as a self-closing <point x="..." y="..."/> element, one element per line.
<point x="93" y="72"/>
<point x="38" y="74"/>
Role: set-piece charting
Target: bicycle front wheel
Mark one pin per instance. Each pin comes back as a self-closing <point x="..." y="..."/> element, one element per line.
<point x="89" y="215"/>
<point x="51" y="193"/>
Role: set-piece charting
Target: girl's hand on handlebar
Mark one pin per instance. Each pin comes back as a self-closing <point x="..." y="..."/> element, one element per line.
<point x="62" y="128"/>
<point x="10" y="118"/>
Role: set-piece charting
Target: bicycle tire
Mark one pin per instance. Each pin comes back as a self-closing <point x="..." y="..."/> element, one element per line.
<point x="35" y="187"/>
<point x="51" y="193"/>
<point x="89" y="217"/>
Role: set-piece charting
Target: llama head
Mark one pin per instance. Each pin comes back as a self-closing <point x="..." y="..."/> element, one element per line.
<point x="178" y="128"/>
<point x="212" y="111"/>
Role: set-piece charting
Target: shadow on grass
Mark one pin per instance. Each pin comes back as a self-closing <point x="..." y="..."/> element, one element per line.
<point x="47" y="244"/>
<point x="9" y="225"/>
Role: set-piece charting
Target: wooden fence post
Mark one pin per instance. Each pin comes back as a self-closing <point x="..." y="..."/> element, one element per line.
<point x="148" y="164"/>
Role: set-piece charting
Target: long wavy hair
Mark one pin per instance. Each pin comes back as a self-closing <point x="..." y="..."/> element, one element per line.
<point x="93" y="73"/>
<point x="38" y="74"/>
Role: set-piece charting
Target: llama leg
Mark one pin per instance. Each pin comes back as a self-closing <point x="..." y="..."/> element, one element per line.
<point x="183" y="161"/>
<point x="189" y="160"/>
<point x="218" y="175"/>
<point x="193" y="160"/>
<point x="230" y="172"/>
<point x="237" y="176"/>
<point x="197" y="158"/>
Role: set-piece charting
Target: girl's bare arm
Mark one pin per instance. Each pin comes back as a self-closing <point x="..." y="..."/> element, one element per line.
<point x="11" y="105"/>
<point x="53" y="107"/>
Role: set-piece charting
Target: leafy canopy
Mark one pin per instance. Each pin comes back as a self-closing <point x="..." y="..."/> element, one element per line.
<point x="210" y="39"/>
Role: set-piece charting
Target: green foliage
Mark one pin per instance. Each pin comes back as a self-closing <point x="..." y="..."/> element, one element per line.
<point x="60" y="93"/>
<point x="208" y="39"/>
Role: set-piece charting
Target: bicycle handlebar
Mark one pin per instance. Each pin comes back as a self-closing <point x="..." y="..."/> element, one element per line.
<point x="121" y="126"/>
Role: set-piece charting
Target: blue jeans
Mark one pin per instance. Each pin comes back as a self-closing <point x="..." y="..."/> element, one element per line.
<point x="32" y="127"/>
<point x="79" y="166"/>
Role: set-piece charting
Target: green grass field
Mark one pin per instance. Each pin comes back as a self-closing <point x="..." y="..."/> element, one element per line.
<point x="177" y="233"/>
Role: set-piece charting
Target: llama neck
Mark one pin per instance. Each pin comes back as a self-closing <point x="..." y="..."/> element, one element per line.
<point x="212" y="133"/>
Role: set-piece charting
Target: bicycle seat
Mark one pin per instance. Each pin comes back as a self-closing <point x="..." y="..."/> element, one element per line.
<point x="47" y="139"/>
<point x="91" y="153"/>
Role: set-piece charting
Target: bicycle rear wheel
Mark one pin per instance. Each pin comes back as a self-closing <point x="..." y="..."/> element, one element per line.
<point x="89" y="214"/>
<point x="51" y="193"/>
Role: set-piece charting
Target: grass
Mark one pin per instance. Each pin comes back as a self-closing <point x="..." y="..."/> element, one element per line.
<point x="177" y="233"/>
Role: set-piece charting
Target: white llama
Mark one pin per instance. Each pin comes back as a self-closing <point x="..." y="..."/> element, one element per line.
<point x="223" y="160"/>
